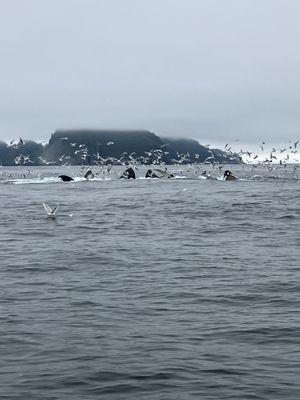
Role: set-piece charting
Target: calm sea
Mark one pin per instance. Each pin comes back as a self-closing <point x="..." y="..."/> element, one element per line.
<point x="150" y="289"/>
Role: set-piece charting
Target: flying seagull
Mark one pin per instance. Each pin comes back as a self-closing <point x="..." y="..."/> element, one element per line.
<point x="50" y="211"/>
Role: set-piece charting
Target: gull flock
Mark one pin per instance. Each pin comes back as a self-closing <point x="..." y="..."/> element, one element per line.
<point x="269" y="158"/>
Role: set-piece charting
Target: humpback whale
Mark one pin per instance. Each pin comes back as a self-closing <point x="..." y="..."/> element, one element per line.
<point x="151" y="174"/>
<point x="128" y="174"/>
<point x="228" y="176"/>
<point x="164" y="173"/>
<point x="66" y="178"/>
<point x="89" y="174"/>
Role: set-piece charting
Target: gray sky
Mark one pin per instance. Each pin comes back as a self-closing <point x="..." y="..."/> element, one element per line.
<point x="216" y="70"/>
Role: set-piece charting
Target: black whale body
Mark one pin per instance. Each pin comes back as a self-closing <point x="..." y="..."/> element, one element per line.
<point x="128" y="174"/>
<point x="66" y="178"/>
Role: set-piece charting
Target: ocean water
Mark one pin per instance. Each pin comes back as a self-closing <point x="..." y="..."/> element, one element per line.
<point x="150" y="289"/>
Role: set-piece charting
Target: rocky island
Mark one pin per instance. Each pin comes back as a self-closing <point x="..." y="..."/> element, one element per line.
<point x="99" y="147"/>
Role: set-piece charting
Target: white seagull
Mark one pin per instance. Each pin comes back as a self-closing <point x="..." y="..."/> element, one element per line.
<point x="50" y="211"/>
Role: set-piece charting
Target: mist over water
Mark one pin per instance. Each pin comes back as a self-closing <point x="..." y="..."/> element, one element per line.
<point x="150" y="289"/>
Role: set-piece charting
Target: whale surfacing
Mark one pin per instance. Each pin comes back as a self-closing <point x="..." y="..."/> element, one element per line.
<point x="66" y="178"/>
<point x="128" y="174"/>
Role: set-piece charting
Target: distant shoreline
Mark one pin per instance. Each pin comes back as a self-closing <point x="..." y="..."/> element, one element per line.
<point x="115" y="147"/>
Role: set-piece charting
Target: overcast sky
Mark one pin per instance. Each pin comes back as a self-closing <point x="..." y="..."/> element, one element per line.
<point x="216" y="70"/>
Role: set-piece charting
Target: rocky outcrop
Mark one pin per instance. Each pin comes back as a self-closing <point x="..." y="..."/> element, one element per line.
<point x="90" y="147"/>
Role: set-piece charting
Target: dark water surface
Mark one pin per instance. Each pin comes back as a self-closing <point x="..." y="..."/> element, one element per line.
<point x="152" y="289"/>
